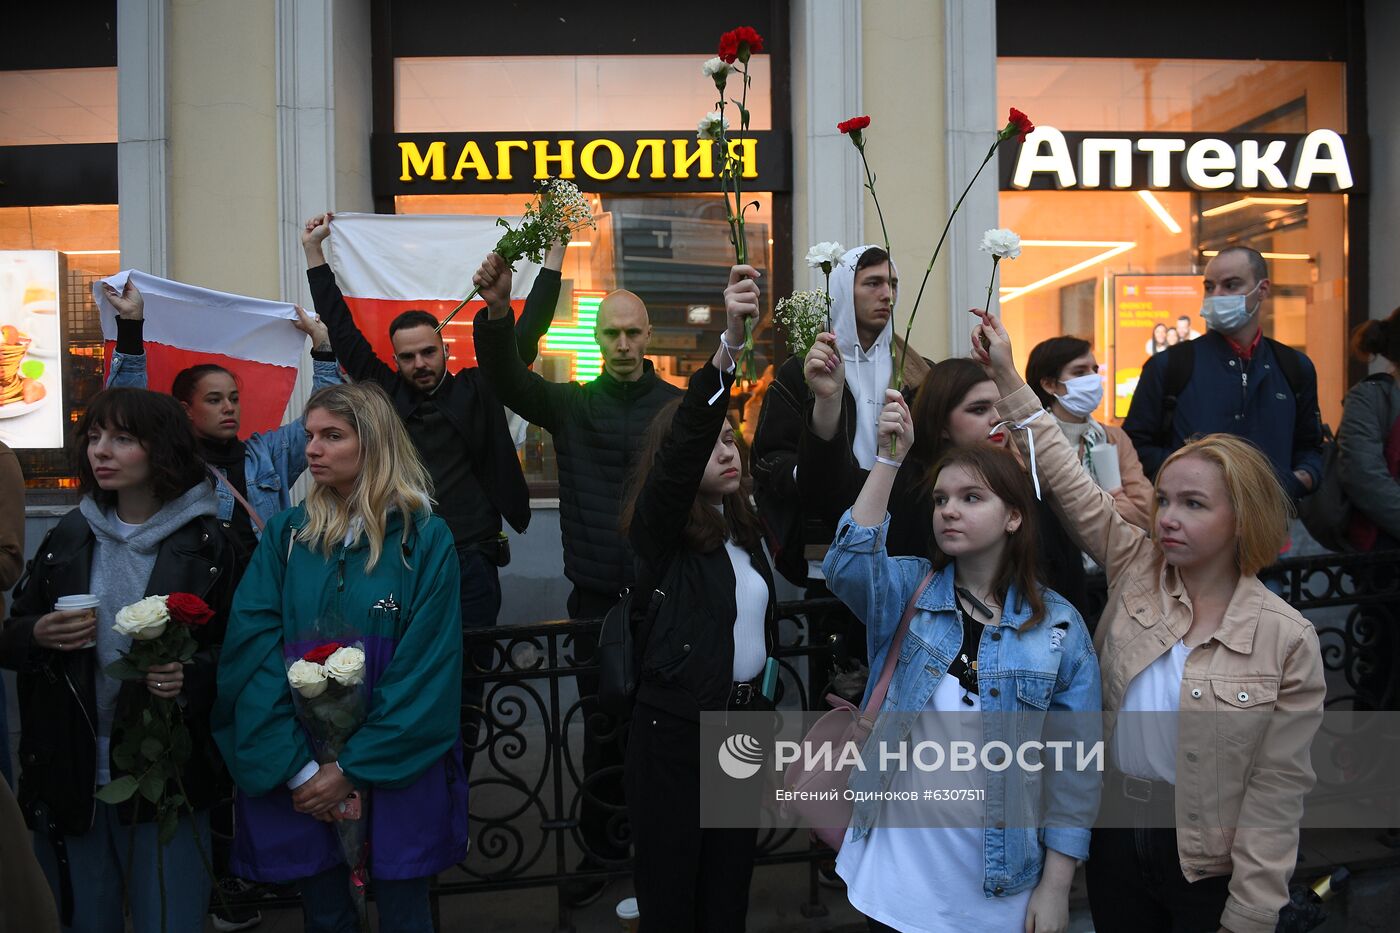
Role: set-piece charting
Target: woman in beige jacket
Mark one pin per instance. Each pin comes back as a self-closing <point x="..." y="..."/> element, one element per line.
<point x="1213" y="802"/>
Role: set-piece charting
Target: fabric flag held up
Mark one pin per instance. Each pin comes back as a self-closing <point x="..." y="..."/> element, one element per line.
<point x="386" y="264"/>
<point x="187" y="325"/>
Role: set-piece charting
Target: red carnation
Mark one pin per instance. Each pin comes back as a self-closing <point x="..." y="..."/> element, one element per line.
<point x="739" y="43"/>
<point x="853" y="124"/>
<point x="319" y="655"/>
<point x="188" y="609"/>
<point x="1018" y="125"/>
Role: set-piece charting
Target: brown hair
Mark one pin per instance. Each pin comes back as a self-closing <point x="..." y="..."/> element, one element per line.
<point x="1050" y="357"/>
<point x="705" y="527"/>
<point x="1020" y="561"/>
<point x="1378" y="338"/>
<point x="1254" y="490"/>
<point x="159" y="424"/>
<point x="938" y="396"/>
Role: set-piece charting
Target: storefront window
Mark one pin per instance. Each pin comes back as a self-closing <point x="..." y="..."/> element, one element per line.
<point x="56" y="106"/>
<point x="70" y="246"/>
<point x="671" y="248"/>
<point x="1111" y="265"/>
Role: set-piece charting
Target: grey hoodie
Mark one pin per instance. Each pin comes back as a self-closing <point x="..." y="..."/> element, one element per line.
<point x="122" y="560"/>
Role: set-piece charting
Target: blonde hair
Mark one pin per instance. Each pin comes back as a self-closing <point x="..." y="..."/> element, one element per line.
<point x="391" y="474"/>
<point x="1254" y="492"/>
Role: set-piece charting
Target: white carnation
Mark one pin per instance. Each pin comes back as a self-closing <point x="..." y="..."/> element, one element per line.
<point x="346" y="666"/>
<point x="143" y="620"/>
<point x="307" y="677"/>
<point x="716" y="68"/>
<point x="829" y="252"/>
<point x="1003" y="244"/>
<point x="711" y="125"/>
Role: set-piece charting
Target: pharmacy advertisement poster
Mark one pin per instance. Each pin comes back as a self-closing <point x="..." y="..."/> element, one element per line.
<point x="1150" y="314"/>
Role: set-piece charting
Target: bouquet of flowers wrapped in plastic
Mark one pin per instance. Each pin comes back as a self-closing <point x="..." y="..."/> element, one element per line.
<point x="330" y="694"/>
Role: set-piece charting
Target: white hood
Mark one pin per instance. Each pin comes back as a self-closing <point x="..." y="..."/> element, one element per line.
<point x="867" y="371"/>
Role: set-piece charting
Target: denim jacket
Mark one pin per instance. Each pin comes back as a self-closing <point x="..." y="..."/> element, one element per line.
<point x="272" y="461"/>
<point x="1027" y="672"/>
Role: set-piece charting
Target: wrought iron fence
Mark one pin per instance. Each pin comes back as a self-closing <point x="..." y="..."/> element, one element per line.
<point x="532" y="794"/>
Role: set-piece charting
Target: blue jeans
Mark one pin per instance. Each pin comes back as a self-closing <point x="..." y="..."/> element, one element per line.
<point x="327" y="907"/>
<point x="105" y="859"/>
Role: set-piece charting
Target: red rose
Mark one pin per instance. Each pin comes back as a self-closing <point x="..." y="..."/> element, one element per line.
<point x="1020" y="124"/>
<point x="853" y="124"/>
<point x="188" y="609"/>
<point x="739" y="43"/>
<point x="319" y="655"/>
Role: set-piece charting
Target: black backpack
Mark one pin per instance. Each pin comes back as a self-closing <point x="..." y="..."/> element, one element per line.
<point x="1327" y="512"/>
<point x="1181" y="360"/>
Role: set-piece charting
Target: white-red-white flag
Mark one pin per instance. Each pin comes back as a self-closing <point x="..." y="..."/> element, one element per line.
<point x="186" y="325"/>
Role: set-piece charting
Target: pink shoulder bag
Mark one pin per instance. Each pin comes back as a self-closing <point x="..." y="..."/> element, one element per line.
<point x="845" y="723"/>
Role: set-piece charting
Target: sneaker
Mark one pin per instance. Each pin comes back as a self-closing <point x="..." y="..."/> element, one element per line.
<point x="237" y="915"/>
<point x="580" y="892"/>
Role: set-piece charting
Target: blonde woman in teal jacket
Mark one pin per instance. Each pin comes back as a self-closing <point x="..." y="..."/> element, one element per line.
<point x="365" y="551"/>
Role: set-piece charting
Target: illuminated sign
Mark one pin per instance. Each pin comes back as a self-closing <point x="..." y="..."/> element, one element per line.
<point x="475" y="163"/>
<point x="1051" y="159"/>
<point x="575" y="340"/>
<point x="1150" y="313"/>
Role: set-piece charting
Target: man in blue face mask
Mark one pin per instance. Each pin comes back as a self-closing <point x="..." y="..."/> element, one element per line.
<point x="1232" y="380"/>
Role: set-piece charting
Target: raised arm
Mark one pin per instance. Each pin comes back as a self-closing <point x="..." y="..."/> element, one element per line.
<point x="350" y="346"/>
<point x="129" y="358"/>
<point x="1087" y="511"/>
<point x="287" y="444"/>
<point x="828" y="476"/>
<point x="539" y="306"/>
<point x="526" y="393"/>
<point x="674" y="479"/>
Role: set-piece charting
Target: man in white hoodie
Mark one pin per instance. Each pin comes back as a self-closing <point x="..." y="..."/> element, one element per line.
<point x="863" y="291"/>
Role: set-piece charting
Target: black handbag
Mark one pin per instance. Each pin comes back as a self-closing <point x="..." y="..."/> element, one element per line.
<point x="619" y="666"/>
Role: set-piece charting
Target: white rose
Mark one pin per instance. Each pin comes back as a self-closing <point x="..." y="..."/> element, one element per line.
<point x="347" y="666"/>
<point x="307" y="677"/>
<point x="1003" y="244"/>
<point x="712" y="125"/>
<point x="829" y="252"/>
<point x="143" y="620"/>
<point x="716" y="68"/>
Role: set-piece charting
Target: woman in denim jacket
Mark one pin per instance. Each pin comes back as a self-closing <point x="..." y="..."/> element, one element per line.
<point x="261" y="469"/>
<point x="986" y="636"/>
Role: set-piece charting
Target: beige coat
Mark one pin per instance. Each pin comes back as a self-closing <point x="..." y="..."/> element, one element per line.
<point x="1243" y="771"/>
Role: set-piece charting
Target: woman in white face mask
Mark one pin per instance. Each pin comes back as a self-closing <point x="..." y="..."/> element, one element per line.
<point x="1065" y="376"/>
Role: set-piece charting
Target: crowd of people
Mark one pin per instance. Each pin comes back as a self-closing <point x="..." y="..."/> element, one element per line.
<point x="968" y="509"/>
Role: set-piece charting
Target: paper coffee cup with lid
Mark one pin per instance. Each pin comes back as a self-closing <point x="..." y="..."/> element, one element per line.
<point x="78" y="601"/>
<point x="628" y="917"/>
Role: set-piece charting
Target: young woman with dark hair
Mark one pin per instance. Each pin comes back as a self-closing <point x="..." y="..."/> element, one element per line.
<point x="1065" y="377"/>
<point x="255" y="476"/>
<point x="985" y="635"/>
<point x="698" y="542"/>
<point x="1204" y="788"/>
<point x="955" y="406"/>
<point x="144" y="527"/>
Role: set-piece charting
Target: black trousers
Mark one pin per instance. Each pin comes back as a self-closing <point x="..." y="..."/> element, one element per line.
<point x="688" y="879"/>
<point x="603" y="809"/>
<point x="1136" y="885"/>
<point x="480" y="594"/>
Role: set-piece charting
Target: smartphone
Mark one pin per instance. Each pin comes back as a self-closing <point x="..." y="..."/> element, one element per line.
<point x="768" y="686"/>
<point x="349" y="808"/>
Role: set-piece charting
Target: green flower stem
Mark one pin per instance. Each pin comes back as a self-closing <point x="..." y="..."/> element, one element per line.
<point x="475" y="291"/>
<point x="937" y="249"/>
<point x="826" y="273"/>
<point x="995" y="260"/>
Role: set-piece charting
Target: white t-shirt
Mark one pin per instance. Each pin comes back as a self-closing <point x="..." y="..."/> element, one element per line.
<point x="1145" y="746"/>
<point x="751" y="601"/>
<point x="929" y="879"/>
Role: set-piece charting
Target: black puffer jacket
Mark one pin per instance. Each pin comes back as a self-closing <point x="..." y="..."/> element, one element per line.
<point x="58" y="692"/>
<point x="687" y="655"/>
<point x="598" y="427"/>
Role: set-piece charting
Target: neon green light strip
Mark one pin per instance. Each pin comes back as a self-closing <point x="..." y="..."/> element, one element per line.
<point x="576" y="339"/>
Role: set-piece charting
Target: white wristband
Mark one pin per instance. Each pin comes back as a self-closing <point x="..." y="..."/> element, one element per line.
<point x="887" y="461"/>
